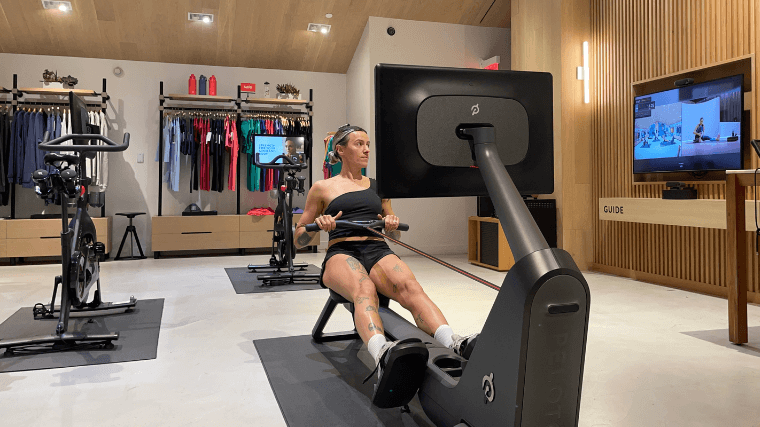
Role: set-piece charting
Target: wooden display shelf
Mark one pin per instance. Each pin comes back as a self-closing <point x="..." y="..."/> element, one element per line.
<point x="204" y="98"/>
<point x="55" y="91"/>
<point x="502" y="259"/>
<point x="273" y="101"/>
<point x="703" y="213"/>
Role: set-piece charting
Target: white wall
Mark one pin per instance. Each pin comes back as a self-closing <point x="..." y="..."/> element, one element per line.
<point x="431" y="44"/>
<point x="359" y="85"/>
<point x="133" y="108"/>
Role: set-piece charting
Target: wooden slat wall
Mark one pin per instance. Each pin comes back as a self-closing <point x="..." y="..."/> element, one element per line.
<point x="634" y="40"/>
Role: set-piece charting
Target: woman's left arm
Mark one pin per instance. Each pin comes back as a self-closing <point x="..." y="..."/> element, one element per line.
<point x="391" y="220"/>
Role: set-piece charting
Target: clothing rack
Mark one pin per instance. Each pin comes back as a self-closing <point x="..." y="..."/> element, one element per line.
<point x="16" y="102"/>
<point x="238" y="111"/>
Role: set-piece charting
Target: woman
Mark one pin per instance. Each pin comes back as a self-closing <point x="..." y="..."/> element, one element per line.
<point x="359" y="264"/>
<point x="699" y="130"/>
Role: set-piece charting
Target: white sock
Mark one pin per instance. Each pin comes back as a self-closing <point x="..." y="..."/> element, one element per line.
<point x="443" y="335"/>
<point x="375" y="344"/>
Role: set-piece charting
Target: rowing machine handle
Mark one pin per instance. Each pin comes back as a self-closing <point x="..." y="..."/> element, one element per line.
<point x="357" y="225"/>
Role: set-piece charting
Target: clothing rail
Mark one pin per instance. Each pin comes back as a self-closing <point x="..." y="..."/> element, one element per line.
<point x="40" y="101"/>
<point x="239" y="114"/>
<point x="51" y="104"/>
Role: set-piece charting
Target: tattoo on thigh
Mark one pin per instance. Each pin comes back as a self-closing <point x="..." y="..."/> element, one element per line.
<point x="360" y="300"/>
<point x="395" y="288"/>
<point x="373" y="328"/>
<point x="355" y="265"/>
<point x="364" y="277"/>
<point x="370" y="308"/>
<point x="398" y="269"/>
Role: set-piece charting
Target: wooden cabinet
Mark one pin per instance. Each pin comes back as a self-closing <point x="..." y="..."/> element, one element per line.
<point x="42" y="237"/>
<point x="181" y="233"/>
<point x="187" y="233"/>
<point x="256" y="231"/>
<point x="3" y="244"/>
<point x="487" y="245"/>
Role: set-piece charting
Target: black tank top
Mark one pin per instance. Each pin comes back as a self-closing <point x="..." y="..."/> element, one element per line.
<point x="362" y="205"/>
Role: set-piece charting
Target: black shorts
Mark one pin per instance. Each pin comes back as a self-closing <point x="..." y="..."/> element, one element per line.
<point x="367" y="252"/>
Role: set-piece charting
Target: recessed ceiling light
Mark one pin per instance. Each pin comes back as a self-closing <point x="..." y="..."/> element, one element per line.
<point x="318" y="28"/>
<point x="63" y="6"/>
<point x="329" y="15"/>
<point x="202" y="17"/>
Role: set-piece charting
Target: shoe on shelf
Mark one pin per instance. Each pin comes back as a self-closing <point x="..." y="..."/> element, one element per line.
<point x="463" y="346"/>
<point x="400" y="372"/>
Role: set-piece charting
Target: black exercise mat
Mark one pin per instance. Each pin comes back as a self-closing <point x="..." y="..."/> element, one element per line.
<point x="138" y="337"/>
<point x="245" y="282"/>
<point x="321" y="385"/>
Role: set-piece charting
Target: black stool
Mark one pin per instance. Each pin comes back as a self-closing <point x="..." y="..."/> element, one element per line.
<point x="130" y="229"/>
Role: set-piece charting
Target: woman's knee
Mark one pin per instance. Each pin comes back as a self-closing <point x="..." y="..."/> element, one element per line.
<point x="364" y="289"/>
<point x="409" y="291"/>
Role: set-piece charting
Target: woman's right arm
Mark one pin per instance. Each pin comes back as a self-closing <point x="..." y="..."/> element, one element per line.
<point x="313" y="208"/>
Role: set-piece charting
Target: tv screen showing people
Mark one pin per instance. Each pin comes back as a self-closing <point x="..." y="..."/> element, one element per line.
<point x="691" y="128"/>
<point x="269" y="147"/>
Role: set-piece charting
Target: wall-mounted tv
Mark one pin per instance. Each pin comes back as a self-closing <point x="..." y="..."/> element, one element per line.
<point x="695" y="128"/>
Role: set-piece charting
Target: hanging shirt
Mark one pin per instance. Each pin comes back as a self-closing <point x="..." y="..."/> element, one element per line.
<point x="231" y="143"/>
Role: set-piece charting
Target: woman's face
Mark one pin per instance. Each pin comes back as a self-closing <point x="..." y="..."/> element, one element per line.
<point x="356" y="150"/>
<point x="291" y="147"/>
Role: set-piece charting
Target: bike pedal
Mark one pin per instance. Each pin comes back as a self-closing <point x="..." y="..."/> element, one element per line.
<point x="100" y="248"/>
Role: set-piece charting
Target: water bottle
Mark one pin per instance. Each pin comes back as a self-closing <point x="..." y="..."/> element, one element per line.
<point x="202" y="85"/>
<point x="191" y="85"/>
<point x="212" y="85"/>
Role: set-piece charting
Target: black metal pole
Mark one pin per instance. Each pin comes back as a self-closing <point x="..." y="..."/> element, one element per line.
<point x="237" y="126"/>
<point x="160" y="147"/>
<point x="103" y="99"/>
<point x="520" y="229"/>
<point x="13" y="185"/>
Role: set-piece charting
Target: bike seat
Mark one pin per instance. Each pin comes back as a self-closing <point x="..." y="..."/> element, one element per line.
<point x="53" y="158"/>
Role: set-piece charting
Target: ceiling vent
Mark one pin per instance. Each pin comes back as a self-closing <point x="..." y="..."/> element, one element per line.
<point x="202" y="17"/>
<point x="63" y="6"/>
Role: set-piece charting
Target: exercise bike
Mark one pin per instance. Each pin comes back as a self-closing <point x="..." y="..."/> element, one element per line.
<point x="281" y="269"/>
<point x="80" y="249"/>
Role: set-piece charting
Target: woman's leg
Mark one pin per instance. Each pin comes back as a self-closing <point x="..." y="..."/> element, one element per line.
<point x="348" y="277"/>
<point x="395" y="280"/>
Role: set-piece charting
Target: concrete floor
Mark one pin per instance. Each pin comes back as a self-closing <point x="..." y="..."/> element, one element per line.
<point x="655" y="356"/>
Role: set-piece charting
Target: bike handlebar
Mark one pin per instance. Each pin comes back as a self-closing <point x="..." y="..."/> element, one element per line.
<point x="54" y="145"/>
<point x="340" y="223"/>
<point x="291" y="165"/>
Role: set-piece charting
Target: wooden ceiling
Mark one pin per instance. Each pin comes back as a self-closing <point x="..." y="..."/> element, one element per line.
<point x="245" y="33"/>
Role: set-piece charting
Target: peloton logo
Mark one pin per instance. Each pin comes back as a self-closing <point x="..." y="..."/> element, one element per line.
<point x="475" y="109"/>
<point x="488" y="388"/>
<point x="613" y="209"/>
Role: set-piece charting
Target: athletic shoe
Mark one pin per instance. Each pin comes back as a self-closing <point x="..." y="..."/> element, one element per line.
<point x="463" y="346"/>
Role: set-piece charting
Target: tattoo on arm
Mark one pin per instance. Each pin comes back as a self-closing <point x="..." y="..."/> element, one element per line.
<point x="360" y="300"/>
<point x="395" y="234"/>
<point x="304" y="239"/>
<point x="395" y="288"/>
<point x="370" y="308"/>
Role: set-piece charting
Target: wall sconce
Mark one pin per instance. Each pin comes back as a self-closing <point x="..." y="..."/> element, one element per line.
<point x="583" y="74"/>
